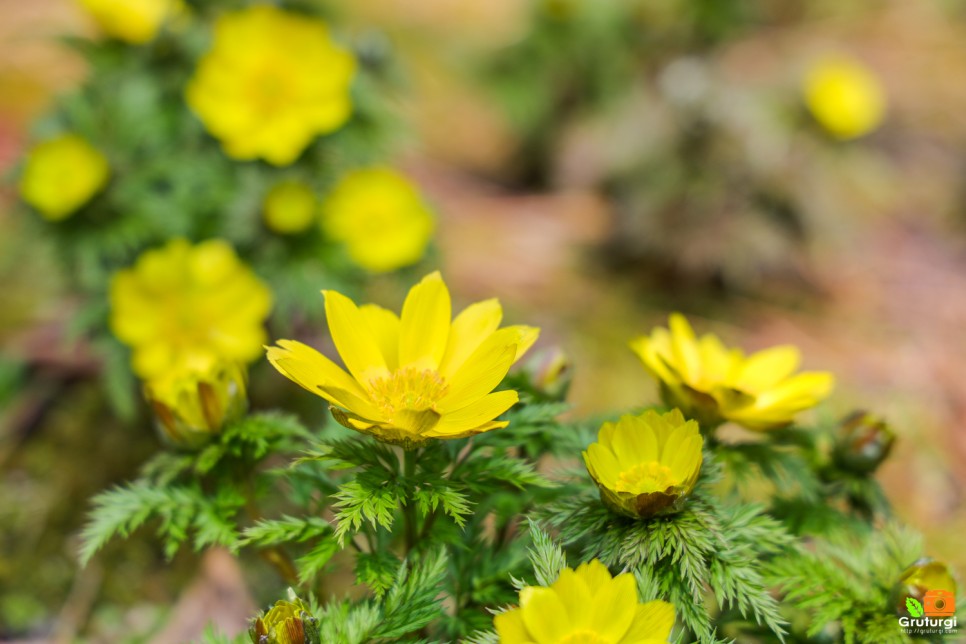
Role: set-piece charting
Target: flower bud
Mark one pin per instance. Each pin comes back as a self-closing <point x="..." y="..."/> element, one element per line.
<point x="863" y="443"/>
<point x="192" y="406"/>
<point x="290" y="207"/>
<point x="922" y="578"/>
<point x="287" y="622"/>
<point x="550" y="373"/>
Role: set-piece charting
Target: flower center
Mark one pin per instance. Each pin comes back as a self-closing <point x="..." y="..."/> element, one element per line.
<point x="584" y="637"/>
<point x="269" y="90"/>
<point x="645" y="478"/>
<point x="408" y="389"/>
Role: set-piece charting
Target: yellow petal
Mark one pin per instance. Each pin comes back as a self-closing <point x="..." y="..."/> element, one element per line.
<point x="314" y="372"/>
<point x="634" y="443"/>
<point x="614" y="607"/>
<point x="767" y="368"/>
<point x="476" y="414"/>
<point x="799" y="392"/>
<point x="595" y="574"/>
<point x="602" y="465"/>
<point x="385" y="326"/>
<point x="575" y="596"/>
<point x="685" y="348"/>
<point x="354" y="338"/>
<point x="424" y="328"/>
<point x="528" y="335"/>
<point x="544" y="614"/>
<point x="510" y="627"/>
<point x="653" y="621"/>
<point x="481" y="372"/>
<point x="470" y="328"/>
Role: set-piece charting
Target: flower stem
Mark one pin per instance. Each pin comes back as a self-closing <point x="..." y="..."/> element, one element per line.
<point x="274" y="555"/>
<point x="409" y="510"/>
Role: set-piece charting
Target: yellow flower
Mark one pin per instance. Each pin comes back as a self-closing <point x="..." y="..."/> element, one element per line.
<point x="585" y="606"/>
<point x="61" y="175"/>
<point x="194" y="405"/>
<point x="287" y="622"/>
<point x="290" y="207"/>
<point x="845" y="97"/>
<point x="380" y="217"/>
<point x="712" y="384"/>
<point x="272" y="82"/>
<point x="413" y="377"/>
<point x="647" y="464"/>
<point x="189" y="307"/>
<point x="133" y="21"/>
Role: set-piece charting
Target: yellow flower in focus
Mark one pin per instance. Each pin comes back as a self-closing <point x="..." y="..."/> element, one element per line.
<point x="61" y="175"/>
<point x="184" y="307"/>
<point x="413" y="377"/>
<point x="290" y="207"/>
<point x="272" y="82"/>
<point x="380" y="217"/>
<point x="845" y="97"/>
<point x="585" y="606"/>
<point x="712" y="384"/>
<point x="194" y="405"/>
<point x="647" y="464"/>
<point x="133" y="21"/>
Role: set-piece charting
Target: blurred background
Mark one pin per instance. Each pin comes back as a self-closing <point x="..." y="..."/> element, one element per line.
<point x="780" y="172"/>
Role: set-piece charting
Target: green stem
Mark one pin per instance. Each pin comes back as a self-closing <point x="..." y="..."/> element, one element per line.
<point x="409" y="510"/>
<point x="274" y="555"/>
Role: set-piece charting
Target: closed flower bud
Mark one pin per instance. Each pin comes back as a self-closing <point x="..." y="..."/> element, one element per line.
<point x="287" y="622"/>
<point x="647" y="464"/>
<point x="925" y="577"/>
<point x="550" y="373"/>
<point x="290" y="207"/>
<point x="193" y="406"/>
<point x="863" y="442"/>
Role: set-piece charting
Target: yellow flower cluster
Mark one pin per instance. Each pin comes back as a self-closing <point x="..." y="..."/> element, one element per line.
<point x="844" y="97"/>
<point x="184" y="308"/>
<point x="646" y="464"/>
<point x="272" y="82"/>
<point x="133" y="21"/>
<point x="712" y="384"/>
<point x="61" y="175"/>
<point x="416" y="376"/>
<point x="585" y="606"/>
<point x="380" y="217"/>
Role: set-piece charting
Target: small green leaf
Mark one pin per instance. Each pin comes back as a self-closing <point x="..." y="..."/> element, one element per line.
<point x="914" y="607"/>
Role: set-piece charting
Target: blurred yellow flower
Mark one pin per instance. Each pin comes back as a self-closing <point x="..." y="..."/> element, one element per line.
<point x="380" y="217"/>
<point x="133" y="21"/>
<point x="414" y="377"/>
<point x="585" y="606"/>
<point x="183" y="307"/>
<point x="290" y="207"/>
<point x="193" y="405"/>
<point x="272" y="82"/>
<point x="713" y="384"/>
<point x="646" y="464"/>
<point x="61" y="175"/>
<point x="845" y="97"/>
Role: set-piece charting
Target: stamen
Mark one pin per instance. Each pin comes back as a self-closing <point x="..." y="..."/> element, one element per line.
<point x="408" y="389"/>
